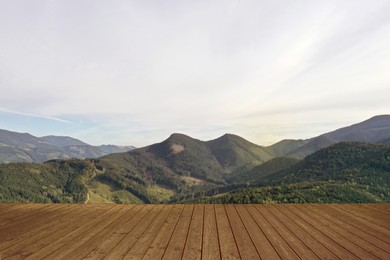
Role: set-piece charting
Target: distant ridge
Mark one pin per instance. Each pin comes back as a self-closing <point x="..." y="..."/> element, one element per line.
<point x="373" y="130"/>
<point x="62" y="141"/>
<point x="231" y="152"/>
<point x="24" y="147"/>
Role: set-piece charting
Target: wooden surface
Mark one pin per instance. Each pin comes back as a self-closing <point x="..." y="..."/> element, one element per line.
<point x="344" y="231"/>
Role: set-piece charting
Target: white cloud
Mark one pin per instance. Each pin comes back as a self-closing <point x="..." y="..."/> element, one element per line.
<point x="202" y="67"/>
<point x="8" y="111"/>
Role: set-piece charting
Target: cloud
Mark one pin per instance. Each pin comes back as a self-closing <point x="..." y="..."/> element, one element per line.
<point x="5" y="110"/>
<point x="148" y="68"/>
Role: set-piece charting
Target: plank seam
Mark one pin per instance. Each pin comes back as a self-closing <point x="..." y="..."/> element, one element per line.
<point x="173" y="231"/>
<point x="33" y="227"/>
<point x="151" y="222"/>
<point x="339" y="233"/>
<point x="276" y="251"/>
<point x="42" y="238"/>
<point x="230" y="224"/>
<point x="303" y="242"/>
<point x="359" y="217"/>
<point x="98" y="223"/>
<point x="304" y="229"/>
<point x="247" y="231"/>
<point x="355" y="225"/>
<point x="201" y="245"/>
<point x="188" y="231"/>
<point x="258" y="210"/>
<point x="323" y="234"/>
<point x="109" y="251"/>
<point x="112" y="223"/>
<point x="151" y="242"/>
<point x="216" y="224"/>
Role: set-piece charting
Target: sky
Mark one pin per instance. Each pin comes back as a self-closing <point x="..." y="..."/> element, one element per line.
<point x="132" y="72"/>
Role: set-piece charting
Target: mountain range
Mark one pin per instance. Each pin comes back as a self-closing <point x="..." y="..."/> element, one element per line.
<point x="182" y="168"/>
<point x="24" y="147"/>
<point x="373" y="130"/>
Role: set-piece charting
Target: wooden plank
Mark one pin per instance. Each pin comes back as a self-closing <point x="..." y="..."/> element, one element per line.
<point x="121" y="249"/>
<point x="82" y="237"/>
<point x="376" y="216"/>
<point x="193" y="248"/>
<point x="5" y="208"/>
<point x="227" y="243"/>
<point x="38" y="231"/>
<point x="14" y="231"/>
<point x="328" y="230"/>
<point x="373" y="216"/>
<point x="23" y="216"/>
<point x="98" y="235"/>
<point x="134" y="218"/>
<point x="178" y="240"/>
<point x="40" y="240"/>
<point x="281" y="247"/>
<point x="370" y="227"/>
<point x="345" y="230"/>
<point x="194" y="231"/>
<point x="300" y="248"/>
<point x="261" y="242"/>
<point x="320" y="250"/>
<point x="210" y="248"/>
<point x="244" y="242"/>
<point x="160" y="242"/>
<point x="142" y="244"/>
<point x="357" y="227"/>
<point x="316" y="233"/>
<point x="77" y="228"/>
<point x="375" y="208"/>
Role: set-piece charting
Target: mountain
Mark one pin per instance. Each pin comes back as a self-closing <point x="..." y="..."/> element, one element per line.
<point x="183" y="156"/>
<point x="234" y="153"/>
<point x="63" y="141"/>
<point x="373" y="130"/>
<point x="345" y="172"/>
<point x="181" y="165"/>
<point x="110" y="148"/>
<point x="93" y="152"/>
<point x="24" y="147"/>
<point x="182" y="168"/>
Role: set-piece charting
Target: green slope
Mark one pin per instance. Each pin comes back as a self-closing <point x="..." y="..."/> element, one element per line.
<point x="345" y="172"/>
<point x="53" y="181"/>
<point x="262" y="171"/>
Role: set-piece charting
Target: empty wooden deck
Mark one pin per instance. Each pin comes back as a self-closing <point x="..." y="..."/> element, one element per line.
<point x="346" y="231"/>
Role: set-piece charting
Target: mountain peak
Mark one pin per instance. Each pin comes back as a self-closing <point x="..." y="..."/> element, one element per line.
<point x="179" y="138"/>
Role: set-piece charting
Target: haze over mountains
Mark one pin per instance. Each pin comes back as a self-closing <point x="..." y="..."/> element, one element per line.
<point x="181" y="168"/>
<point x="230" y="151"/>
<point x="24" y="147"/>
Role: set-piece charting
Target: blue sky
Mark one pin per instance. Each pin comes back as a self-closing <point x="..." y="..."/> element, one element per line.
<point x="133" y="72"/>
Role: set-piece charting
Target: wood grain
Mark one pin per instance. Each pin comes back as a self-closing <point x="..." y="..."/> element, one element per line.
<point x="308" y="231"/>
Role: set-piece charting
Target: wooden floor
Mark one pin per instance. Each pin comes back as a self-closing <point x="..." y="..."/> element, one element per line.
<point x="36" y="231"/>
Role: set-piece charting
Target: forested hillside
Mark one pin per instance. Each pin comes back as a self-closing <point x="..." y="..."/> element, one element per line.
<point x="345" y="172"/>
<point x="228" y="169"/>
<point x="53" y="181"/>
